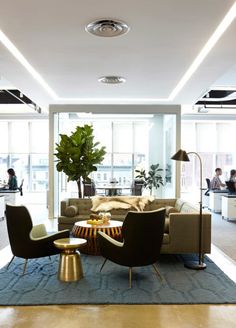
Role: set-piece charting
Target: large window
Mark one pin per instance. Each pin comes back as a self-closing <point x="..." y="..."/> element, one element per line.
<point x="214" y="143"/>
<point x="126" y="143"/>
<point x="123" y="153"/>
<point x="24" y="147"/>
<point x="133" y="142"/>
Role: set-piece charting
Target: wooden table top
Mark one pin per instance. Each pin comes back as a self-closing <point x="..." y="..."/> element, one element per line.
<point x="110" y="224"/>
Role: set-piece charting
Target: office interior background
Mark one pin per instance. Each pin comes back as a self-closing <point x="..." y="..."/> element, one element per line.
<point x="174" y="54"/>
<point x="128" y="142"/>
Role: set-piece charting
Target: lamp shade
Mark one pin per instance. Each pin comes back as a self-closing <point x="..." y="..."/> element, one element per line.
<point x="181" y="155"/>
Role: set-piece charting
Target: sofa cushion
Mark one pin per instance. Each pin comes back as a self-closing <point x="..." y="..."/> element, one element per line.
<point x="118" y="217"/>
<point x="179" y="204"/>
<point x="71" y="210"/>
<point x="189" y="208"/>
<point x="153" y="206"/>
<point x="84" y="205"/>
<point x="170" y="209"/>
<point x="120" y="212"/>
<point x="72" y="220"/>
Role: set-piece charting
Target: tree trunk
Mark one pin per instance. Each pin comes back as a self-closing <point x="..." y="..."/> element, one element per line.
<point x="79" y="188"/>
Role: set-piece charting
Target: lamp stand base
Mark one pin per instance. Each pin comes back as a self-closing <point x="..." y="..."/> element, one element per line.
<point x="195" y="265"/>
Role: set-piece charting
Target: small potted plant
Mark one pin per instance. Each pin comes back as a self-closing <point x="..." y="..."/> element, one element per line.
<point x="152" y="178"/>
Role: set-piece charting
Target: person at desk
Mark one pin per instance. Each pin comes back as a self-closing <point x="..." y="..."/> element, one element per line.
<point x="231" y="184"/>
<point x="216" y="183"/>
<point x="12" y="180"/>
<point x="232" y="175"/>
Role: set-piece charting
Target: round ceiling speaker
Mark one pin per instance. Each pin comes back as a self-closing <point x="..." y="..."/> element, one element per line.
<point x="107" y="28"/>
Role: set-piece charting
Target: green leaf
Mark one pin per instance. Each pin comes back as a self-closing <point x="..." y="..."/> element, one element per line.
<point x="77" y="154"/>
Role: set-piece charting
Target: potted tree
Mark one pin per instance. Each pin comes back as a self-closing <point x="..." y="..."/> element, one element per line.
<point x="152" y="178"/>
<point x="78" y="154"/>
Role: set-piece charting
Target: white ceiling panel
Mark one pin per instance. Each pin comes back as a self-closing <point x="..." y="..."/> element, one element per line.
<point x="164" y="39"/>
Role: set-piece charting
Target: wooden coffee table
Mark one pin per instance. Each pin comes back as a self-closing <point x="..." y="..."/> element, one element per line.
<point x="87" y="231"/>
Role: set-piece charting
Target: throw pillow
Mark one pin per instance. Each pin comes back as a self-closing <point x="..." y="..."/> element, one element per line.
<point x="71" y="210"/>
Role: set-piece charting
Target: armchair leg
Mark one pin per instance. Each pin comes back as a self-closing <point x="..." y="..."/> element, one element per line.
<point x="26" y="261"/>
<point x="130" y="277"/>
<point x="157" y="271"/>
<point x="103" y="264"/>
<point x="10" y="261"/>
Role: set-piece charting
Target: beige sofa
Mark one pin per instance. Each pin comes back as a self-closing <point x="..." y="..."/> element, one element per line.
<point x="181" y="226"/>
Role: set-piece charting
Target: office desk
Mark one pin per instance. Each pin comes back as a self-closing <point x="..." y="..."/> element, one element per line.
<point x="2" y="206"/>
<point x="215" y="199"/>
<point x="112" y="190"/>
<point x="229" y="207"/>
<point x="10" y="196"/>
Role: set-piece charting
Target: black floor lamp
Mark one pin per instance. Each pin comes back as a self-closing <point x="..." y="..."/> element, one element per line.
<point x="181" y="155"/>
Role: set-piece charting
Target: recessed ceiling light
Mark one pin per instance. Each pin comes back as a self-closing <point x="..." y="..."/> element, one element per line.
<point x="107" y="28"/>
<point x="111" y="79"/>
<point x="202" y="110"/>
<point x="24" y="62"/>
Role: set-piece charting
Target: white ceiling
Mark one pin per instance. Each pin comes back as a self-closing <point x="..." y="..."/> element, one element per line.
<point x="164" y="39"/>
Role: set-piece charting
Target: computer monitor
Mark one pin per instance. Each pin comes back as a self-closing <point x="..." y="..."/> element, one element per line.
<point x="230" y="186"/>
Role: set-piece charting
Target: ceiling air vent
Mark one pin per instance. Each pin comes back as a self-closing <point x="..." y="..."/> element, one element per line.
<point x="111" y="79"/>
<point x="107" y="28"/>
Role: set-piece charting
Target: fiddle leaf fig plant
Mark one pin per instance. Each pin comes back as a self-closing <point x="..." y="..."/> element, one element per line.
<point x="152" y="178"/>
<point x="78" y="154"/>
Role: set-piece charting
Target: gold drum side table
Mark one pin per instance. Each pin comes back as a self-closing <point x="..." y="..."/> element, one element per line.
<point x="70" y="267"/>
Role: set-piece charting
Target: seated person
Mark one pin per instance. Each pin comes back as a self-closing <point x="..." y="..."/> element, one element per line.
<point x="216" y="183"/>
<point x="231" y="184"/>
<point x="232" y="175"/>
<point x="12" y="180"/>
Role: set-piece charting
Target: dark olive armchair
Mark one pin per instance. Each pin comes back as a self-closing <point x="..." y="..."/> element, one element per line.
<point x="142" y="234"/>
<point x="27" y="241"/>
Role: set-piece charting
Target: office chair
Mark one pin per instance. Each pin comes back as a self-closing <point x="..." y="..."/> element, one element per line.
<point x="137" y="187"/>
<point x="89" y="189"/>
<point x="208" y="181"/>
<point x="20" y="188"/>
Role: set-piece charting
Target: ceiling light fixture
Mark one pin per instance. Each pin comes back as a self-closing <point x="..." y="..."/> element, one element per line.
<point x="24" y="62"/>
<point x="202" y="110"/>
<point x="221" y="28"/>
<point x="107" y="28"/>
<point x="112" y="79"/>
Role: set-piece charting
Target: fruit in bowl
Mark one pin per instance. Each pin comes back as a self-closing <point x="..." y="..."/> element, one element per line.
<point x="94" y="221"/>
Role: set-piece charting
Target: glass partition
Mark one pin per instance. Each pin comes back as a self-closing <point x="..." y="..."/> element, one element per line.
<point x="132" y="142"/>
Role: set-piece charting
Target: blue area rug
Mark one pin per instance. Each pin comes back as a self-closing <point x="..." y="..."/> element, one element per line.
<point x="40" y="286"/>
